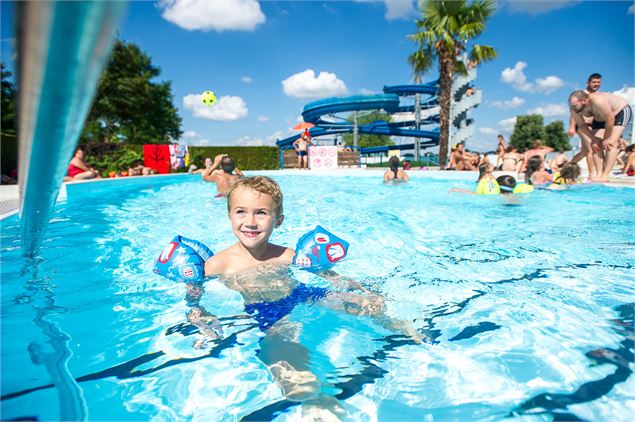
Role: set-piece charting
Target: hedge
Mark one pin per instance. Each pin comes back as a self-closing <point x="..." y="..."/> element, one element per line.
<point x="120" y="157"/>
<point x="107" y="157"/>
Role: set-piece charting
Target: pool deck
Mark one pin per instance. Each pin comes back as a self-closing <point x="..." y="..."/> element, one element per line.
<point x="10" y="195"/>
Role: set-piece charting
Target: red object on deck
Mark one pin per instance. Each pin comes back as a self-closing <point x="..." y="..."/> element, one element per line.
<point x="157" y="157"/>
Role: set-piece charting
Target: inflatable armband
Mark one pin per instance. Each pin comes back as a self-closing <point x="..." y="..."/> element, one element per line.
<point x="319" y="250"/>
<point x="523" y="188"/>
<point x="488" y="187"/>
<point x="183" y="259"/>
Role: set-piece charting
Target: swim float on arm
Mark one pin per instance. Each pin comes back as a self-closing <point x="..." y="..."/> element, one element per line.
<point x="488" y="187"/>
<point x="184" y="259"/>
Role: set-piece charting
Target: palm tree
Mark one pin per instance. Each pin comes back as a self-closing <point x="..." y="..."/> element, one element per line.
<point x="442" y="34"/>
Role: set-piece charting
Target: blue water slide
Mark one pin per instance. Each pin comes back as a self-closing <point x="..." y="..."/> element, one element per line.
<point x="389" y="101"/>
<point x="431" y="88"/>
<point x="313" y="111"/>
<point x="372" y="150"/>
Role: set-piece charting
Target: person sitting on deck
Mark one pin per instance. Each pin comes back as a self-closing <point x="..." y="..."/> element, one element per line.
<point x="79" y="169"/>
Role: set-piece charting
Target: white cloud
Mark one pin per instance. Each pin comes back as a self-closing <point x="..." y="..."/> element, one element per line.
<point x="507" y="125"/>
<point x="505" y="105"/>
<point x="257" y="141"/>
<point x="190" y="137"/>
<point x="246" y="79"/>
<point x="399" y="9"/>
<point x="549" y="84"/>
<point x="535" y="7"/>
<point x="631" y="10"/>
<point x="516" y="77"/>
<point x="488" y="131"/>
<point x="206" y="15"/>
<point x="307" y="85"/>
<point x="395" y="9"/>
<point x="365" y="91"/>
<point x="627" y="92"/>
<point x="263" y="118"/>
<point x="550" y="110"/>
<point x="226" y="108"/>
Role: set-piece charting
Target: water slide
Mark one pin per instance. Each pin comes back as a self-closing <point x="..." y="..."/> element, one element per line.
<point x="322" y="114"/>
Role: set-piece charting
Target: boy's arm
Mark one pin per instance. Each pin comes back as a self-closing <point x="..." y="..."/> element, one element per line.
<point x="355" y="299"/>
<point x="215" y="265"/>
<point x="295" y="144"/>
<point x="462" y="191"/>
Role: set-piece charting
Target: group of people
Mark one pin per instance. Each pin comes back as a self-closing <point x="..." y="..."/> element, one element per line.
<point x="79" y="169"/>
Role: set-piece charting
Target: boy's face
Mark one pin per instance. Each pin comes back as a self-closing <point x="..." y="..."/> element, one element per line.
<point x="253" y="217"/>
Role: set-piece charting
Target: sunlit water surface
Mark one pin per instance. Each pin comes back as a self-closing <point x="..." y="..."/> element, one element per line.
<point x="527" y="307"/>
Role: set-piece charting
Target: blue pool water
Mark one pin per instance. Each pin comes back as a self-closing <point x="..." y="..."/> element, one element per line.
<point x="527" y="307"/>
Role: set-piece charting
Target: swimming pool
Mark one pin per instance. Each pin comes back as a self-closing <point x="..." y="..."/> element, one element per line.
<point x="528" y="307"/>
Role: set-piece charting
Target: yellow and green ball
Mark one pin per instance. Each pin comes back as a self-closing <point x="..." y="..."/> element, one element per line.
<point x="209" y="98"/>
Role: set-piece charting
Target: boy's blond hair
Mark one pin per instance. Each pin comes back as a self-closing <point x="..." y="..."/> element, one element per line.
<point x="262" y="184"/>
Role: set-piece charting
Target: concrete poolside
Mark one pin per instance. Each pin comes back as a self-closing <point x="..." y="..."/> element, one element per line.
<point x="10" y="196"/>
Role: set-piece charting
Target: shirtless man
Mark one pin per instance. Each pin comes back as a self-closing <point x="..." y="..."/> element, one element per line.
<point x="301" y="146"/>
<point x="610" y="109"/>
<point x="224" y="177"/>
<point x="594" y="161"/>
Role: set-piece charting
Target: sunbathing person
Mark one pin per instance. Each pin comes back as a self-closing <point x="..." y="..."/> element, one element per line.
<point x="79" y="169"/>
<point x="629" y="165"/>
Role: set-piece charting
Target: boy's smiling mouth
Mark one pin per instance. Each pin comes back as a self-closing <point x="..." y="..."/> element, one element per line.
<point x="250" y="233"/>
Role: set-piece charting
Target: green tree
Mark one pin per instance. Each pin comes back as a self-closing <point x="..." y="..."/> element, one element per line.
<point x="130" y="106"/>
<point x="443" y="33"/>
<point x="8" y="103"/>
<point x="527" y="129"/>
<point x="556" y="137"/>
<point x="366" y="140"/>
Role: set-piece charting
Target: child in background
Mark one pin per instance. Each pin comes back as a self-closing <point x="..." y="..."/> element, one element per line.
<point x="395" y="174"/>
<point x="224" y="177"/>
<point x="567" y="176"/>
<point x="535" y="174"/>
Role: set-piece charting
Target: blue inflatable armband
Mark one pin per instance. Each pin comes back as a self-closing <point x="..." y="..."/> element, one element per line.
<point x="183" y="259"/>
<point x="319" y="250"/>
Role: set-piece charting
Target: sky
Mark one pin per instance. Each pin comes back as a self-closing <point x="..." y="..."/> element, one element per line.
<point x="266" y="60"/>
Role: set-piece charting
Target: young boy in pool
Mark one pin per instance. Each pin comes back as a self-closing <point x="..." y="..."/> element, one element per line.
<point x="258" y="270"/>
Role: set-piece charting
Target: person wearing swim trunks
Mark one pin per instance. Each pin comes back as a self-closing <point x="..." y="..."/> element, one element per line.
<point x="395" y="173"/>
<point x="79" y="169"/>
<point x="611" y="110"/>
<point x="223" y="177"/>
<point x="594" y="161"/>
<point x="301" y="146"/>
<point x="258" y="270"/>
